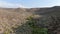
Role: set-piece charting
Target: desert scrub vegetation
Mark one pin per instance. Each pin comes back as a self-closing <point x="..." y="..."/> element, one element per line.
<point x="7" y="29"/>
<point x="54" y="25"/>
<point x="35" y="29"/>
<point x="51" y="25"/>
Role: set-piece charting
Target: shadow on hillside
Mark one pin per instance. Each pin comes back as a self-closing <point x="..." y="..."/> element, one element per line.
<point x="48" y="11"/>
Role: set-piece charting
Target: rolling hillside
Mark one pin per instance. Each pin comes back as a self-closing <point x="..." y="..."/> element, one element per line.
<point x="14" y="17"/>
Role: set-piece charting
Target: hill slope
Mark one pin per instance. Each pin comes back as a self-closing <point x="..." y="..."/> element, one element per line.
<point x="11" y="17"/>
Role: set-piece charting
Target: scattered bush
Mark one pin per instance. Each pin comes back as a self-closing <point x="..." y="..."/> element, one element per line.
<point x="35" y="29"/>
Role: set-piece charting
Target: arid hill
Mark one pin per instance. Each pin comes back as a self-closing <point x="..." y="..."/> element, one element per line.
<point x="13" y="17"/>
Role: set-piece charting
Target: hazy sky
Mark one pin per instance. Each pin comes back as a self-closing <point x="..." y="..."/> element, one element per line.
<point x="29" y="3"/>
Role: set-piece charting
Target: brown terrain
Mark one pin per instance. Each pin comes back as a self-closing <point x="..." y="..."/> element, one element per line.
<point x="14" y="17"/>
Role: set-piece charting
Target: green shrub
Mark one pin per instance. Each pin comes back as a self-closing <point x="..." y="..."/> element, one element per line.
<point x="35" y="29"/>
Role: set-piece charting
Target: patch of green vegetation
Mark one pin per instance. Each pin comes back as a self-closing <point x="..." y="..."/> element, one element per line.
<point x="39" y="31"/>
<point x="36" y="29"/>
